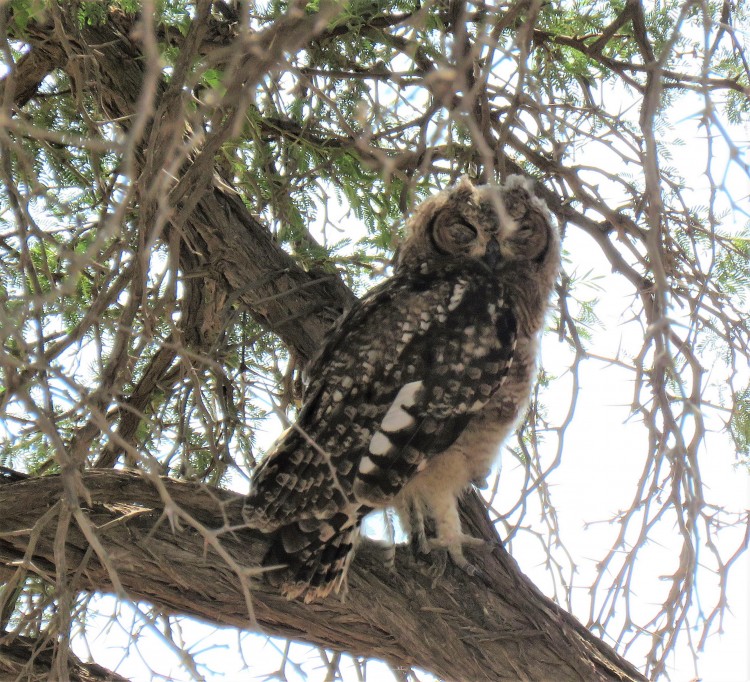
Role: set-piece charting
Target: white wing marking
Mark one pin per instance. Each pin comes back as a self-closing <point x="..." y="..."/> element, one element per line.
<point x="397" y="418"/>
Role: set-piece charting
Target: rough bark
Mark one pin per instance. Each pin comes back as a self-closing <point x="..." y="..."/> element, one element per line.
<point x="495" y="627"/>
<point x="218" y="235"/>
<point x="23" y="658"/>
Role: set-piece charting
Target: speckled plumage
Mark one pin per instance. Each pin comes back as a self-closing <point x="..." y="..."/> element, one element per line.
<point x="416" y="388"/>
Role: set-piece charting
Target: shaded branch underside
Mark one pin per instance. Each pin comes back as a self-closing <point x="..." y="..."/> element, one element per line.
<point x="497" y="627"/>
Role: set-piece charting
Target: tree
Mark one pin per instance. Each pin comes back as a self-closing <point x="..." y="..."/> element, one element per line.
<point x="194" y="191"/>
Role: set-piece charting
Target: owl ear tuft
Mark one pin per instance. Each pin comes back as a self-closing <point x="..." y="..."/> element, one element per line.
<point x="516" y="181"/>
<point x="464" y="188"/>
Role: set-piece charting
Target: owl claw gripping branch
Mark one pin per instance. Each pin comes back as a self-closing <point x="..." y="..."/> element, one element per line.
<point x="416" y="388"/>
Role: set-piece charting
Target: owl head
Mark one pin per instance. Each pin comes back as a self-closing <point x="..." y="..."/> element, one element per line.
<point x="498" y="225"/>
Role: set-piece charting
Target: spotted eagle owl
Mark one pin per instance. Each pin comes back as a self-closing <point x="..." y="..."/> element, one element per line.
<point x="415" y="389"/>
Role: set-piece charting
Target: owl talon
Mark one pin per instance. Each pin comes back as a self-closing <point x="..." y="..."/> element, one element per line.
<point x="480" y="481"/>
<point x="438" y="564"/>
<point x="467" y="567"/>
<point x="420" y="545"/>
<point x="433" y="564"/>
<point x="439" y="550"/>
<point x="457" y="555"/>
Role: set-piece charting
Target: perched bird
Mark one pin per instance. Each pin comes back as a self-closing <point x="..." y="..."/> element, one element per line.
<point x="416" y="388"/>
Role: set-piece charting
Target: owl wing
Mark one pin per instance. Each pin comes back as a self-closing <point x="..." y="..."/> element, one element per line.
<point x="396" y="383"/>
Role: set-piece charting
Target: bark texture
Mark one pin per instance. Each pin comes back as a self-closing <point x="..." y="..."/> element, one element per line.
<point x="495" y="627"/>
<point x="22" y="658"/>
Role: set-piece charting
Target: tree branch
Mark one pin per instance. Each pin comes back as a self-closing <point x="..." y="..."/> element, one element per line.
<point x="25" y="658"/>
<point x="507" y="630"/>
<point x="230" y="245"/>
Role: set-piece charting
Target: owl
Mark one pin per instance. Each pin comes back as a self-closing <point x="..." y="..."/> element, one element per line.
<point x="415" y="390"/>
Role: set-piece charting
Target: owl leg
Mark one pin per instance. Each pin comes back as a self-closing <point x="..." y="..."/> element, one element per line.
<point x="450" y="537"/>
<point x="414" y="520"/>
<point x="420" y="528"/>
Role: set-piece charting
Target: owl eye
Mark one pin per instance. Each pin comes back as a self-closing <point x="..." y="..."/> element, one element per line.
<point x="461" y="233"/>
<point x="451" y="235"/>
<point x="525" y="230"/>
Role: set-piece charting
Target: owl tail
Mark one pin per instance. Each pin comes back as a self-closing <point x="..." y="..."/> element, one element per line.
<point x="309" y="559"/>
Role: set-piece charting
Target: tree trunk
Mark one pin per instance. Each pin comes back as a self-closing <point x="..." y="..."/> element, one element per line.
<point x="494" y="627"/>
<point x="22" y="659"/>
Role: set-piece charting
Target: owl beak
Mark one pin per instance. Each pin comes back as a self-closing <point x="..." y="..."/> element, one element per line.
<point x="492" y="253"/>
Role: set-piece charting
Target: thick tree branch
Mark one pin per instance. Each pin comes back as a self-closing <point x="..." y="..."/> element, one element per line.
<point x="499" y="627"/>
<point x="25" y="658"/>
<point x="231" y="246"/>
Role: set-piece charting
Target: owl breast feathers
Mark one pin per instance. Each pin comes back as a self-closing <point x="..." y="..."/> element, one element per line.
<point x="416" y="388"/>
